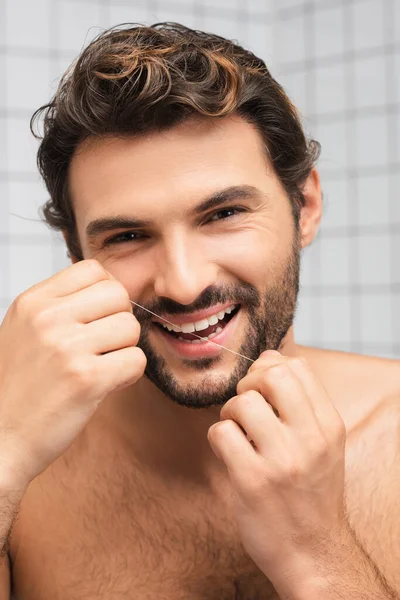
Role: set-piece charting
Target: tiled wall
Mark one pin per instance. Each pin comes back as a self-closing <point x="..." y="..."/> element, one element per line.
<point x="340" y="62"/>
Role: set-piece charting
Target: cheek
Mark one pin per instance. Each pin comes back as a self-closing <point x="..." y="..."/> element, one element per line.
<point x="253" y="258"/>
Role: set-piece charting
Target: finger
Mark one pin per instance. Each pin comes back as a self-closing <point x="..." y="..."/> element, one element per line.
<point x="100" y="300"/>
<point x="121" y="368"/>
<point x="117" y="331"/>
<point x="230" y="444"/>
<point x="267" y="359"/>
<point x="251" y="412"/>
<point x="281" y="387"/>
<point x="74" y="278"/>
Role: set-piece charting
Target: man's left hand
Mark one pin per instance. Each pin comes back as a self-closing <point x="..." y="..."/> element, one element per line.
<point x="283" y="443"/>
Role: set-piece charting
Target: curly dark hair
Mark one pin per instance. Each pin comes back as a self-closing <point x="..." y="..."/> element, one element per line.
<point x="134" y="79"/>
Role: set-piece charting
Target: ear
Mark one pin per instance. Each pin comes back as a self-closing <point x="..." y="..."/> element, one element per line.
<point x="73" y="258"/>
<point x="311" y="212"/>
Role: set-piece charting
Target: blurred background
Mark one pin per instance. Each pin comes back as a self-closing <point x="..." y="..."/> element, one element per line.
<point x="339" y="61"/>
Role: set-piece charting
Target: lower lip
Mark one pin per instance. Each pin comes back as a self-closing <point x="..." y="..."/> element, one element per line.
<point x="204" y="349"/>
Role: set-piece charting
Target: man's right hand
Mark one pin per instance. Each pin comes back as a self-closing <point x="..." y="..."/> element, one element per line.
<point x="65" y="344"/>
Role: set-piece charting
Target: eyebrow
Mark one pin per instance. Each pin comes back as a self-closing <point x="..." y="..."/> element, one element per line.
<point x="236" y="192"/>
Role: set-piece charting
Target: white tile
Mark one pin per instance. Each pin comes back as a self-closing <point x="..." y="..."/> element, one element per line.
<point x="394" y="255"/>
<point x="4" y="226"/>
<point x="28" y="265"/>
<point x="21" y="146"/>
<point x="373" y="201"/>
<point x="260" y="41"/>
<point x="28" y="23"/>
<point x="3" y="143"/>
<point x="173" y="13"/>
<point x="305" y="324"/>
<point x="396" y="318"/>
<point x="3" y="87"/>
<point x="376" y="319"/>
<point x="336" y="199"/>
<point x="371" y="141"/>
<point x="290" y="40"/>
<point x="368" y="24"/>
<point x="396" y="76"/>
<point x="309" y="274"/>
<point x="329" y="32"/>
<point x="59" y="67"/>
<point x="290" y="4"/>
<point x="3" y="311"/>
<point x="375" y="259"/>
<point x="220" y="4"/>
<point x="4" y="270"/>
<point x="332" y="137"/>
<point x="28" y="82"/>
<point x="228" y="28"/>
<point x="394" y="200"/>
<point x="396" y="24"/>
<point x="78" y="24"/>
<point x="60" y="259"/>
<point x="295" y="85"/>
<point x="260" y="6"/>
<point x="370" y="85"/>
<point x="126" y="13"/>
<point x="335" y="255"/>
<point x="25" y="200"/>
<point x="303" y="321"/>
<point x="336" y="322"/>
<point x="330" y="88"/>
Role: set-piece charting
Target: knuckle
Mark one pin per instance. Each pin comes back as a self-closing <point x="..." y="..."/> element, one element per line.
<point x="23" y="304"/>
<point x="286" y="473"/>
<point x="119" y="290"/>
<point x="95" y="268"/>
<point x="258" y="483"/>
<point x="247" y="398"/>
<point x="141" y="361"/>
<point x="43" y="318"/>
<point x="320" y="449"/>
<point x="299" y="362"/>
<point x="221" y="429"/>
<point x="59" y="345"/>
<point x="80" y="375"/>
<point x="340" y="431"/>
<point x="276" y="373"/>
<point x="241" y="386"/>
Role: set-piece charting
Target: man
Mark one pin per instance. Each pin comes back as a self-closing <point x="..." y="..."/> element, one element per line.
<point x="241" y="465"/>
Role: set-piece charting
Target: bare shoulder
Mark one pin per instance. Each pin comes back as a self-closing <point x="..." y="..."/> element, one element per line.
<point x="366" y="391"/>
<point x="361" y="387"/>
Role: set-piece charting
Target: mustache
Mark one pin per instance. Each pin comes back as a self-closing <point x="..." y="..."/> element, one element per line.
<point x="237" y="294"/>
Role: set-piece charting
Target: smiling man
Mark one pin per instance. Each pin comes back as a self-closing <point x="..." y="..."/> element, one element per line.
<point x="143" y="459"/>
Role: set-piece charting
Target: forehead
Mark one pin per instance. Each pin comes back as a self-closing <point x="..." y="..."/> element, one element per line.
<point x="166" y="168"/>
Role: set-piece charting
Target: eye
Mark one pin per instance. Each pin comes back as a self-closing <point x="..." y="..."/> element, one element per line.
<point x="226" y="213"/>
<point x="120" y="238"/>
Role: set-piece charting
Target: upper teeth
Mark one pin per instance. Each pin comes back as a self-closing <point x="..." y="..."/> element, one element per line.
<point x="200" y="325"/>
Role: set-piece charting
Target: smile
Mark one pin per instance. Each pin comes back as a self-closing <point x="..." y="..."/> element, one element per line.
<point x="218" y="327"/>
<point x="207" y="328"/>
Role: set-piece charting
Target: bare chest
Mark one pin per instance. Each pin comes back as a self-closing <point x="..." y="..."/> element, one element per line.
<point x="87" y="540"/>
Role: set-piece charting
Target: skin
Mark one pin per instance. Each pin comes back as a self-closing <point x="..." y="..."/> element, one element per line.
<point x="178" y="259"/>
<point x="196" y="159"/>
<point x="267" y="467"/>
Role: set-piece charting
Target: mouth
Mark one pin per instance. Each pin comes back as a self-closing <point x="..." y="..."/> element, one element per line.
<point x="218" y="328"/>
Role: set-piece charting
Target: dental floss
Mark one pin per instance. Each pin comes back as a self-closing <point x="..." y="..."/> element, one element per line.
<point x="200" y="338"/>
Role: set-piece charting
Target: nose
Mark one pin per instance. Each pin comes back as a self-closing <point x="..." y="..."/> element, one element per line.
<point x="183" y="270"/>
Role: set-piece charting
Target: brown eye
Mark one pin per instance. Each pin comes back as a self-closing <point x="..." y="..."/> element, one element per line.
<point x="126" y="236"/>
<point x="225" y="214"/>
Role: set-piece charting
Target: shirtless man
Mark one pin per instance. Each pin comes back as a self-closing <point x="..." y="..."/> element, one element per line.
<point x="138" y="465"/>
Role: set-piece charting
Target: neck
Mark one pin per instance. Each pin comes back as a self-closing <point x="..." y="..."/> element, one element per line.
<point x="164" y="436"/>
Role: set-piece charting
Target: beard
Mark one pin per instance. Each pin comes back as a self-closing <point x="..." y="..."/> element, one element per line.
<point x="270" y="315"/>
